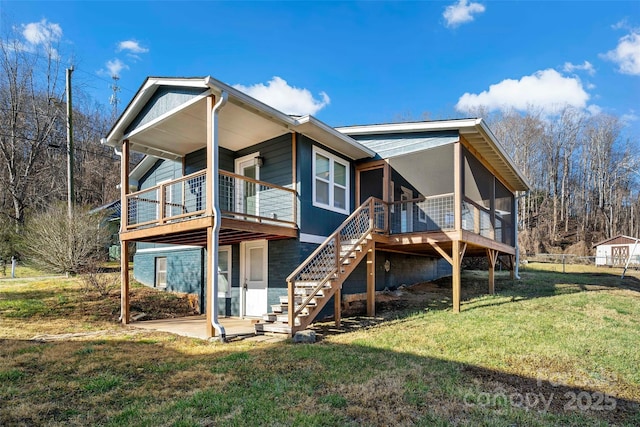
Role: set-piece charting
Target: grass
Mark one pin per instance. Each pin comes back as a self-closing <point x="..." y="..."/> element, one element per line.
<point x="550" y="349"/>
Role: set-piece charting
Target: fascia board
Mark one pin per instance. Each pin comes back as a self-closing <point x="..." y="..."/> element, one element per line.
<point x="352" y="144"/>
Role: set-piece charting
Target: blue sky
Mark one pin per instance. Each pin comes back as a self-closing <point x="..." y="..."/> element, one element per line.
<point x="357" y="62"/>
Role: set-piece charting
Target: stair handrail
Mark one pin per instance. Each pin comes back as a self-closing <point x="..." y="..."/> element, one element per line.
<point x="335" y="236"/>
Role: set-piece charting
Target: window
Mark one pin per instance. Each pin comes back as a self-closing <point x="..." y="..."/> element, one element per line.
<point x="422" y="209"/>
<point x="330" y="182"/>
<point x="224" y="271"/>
<point x="161" y="272"/>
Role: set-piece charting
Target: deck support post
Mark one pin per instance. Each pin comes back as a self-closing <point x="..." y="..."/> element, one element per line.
<point x="456" y="275"/>
<point x="512" y="270"/>
<point x="492" y="257"/>
<point x="124" y="244"/>
<point x="337" y="307"/>
<point x="210" y="329"/>
<point x="124" y="281"/>
<point x="371" y="282"/>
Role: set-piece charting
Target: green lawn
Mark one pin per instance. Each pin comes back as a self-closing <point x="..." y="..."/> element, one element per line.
<point x="550" y="349"/>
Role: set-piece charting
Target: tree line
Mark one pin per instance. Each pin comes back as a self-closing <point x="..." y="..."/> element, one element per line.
<point x="33" y="149"/>
<point x="583" y="172"/>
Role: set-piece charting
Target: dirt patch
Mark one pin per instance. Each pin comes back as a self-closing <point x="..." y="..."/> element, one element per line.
<point x="149" y="303"/>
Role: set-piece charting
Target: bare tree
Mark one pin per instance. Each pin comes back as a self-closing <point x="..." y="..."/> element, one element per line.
<point x="66" y="245"/>
<point x="28" y="83"/>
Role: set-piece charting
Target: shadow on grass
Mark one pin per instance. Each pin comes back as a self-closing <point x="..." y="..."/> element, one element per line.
<point x="149" y="379"/>
<point x="437" y="295"/>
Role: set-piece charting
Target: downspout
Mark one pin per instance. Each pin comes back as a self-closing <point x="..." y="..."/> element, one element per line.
<point x="517" y="266"/>
<point x="217" y="219"/>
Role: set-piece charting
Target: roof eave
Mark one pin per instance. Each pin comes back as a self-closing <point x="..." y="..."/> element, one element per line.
<point x="352" y="148"/>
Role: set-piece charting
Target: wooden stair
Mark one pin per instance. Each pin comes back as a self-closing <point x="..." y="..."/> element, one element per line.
<point x="322" y="274"/>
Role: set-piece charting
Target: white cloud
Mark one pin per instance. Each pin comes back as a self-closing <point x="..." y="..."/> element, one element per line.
<point x="627" y="54"/>
<point x="289" y="99"/>
<point x="114" y="67"/>
<point x="131" y="46"/>
<point x="622" y="24"/>
<point x="629" y="117"/>
<point x="546" y="90"/>
<point x="586" y="66"/>
<point x="594" y="110"/>
<point x="461" y="12"/>
<point x="43" y="32"/>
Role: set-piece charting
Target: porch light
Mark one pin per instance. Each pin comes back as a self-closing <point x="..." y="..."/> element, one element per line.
<point x="259" y="161"/>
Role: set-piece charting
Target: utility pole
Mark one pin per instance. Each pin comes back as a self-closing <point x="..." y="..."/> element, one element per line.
<point x="70" y="191"/>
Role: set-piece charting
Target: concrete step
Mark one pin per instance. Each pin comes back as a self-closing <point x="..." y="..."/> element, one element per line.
<point x="272" y="327"/>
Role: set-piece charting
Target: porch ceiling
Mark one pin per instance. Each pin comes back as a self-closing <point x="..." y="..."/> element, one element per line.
<point x="185" y="131"/>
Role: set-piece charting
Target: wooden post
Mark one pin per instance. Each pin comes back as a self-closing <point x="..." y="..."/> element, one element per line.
<point x="124" y="281"/>
<point x="337" y="306"/>
<point x="457" y="186"/>
<point x="294" y="175"/>
<point x="211" y="100"/>
<point x="387" y="194"/>
<point x="291" y="307"/>
<point x="512" y="270"/>
<point x="492" y="256"/>
<point x="210" y="330"/>
<point x="124" y="222"/>
<point x="371" y="282"/>
<point x="455" y="255"/>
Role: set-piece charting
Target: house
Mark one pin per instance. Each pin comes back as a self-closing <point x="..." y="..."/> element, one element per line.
<point x="292" y="213"/>
<point x="618" y="251"/>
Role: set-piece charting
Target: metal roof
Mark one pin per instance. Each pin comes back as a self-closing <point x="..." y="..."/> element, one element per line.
<point x="419" y="136"/>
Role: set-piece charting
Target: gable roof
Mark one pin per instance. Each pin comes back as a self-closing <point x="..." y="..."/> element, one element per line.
<point x="620" y="239"/>
<point x="400" y="139"/>
<point x="170" y="126"/>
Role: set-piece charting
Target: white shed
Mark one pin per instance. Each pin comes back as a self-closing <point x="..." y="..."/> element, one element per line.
<point x="615" y="251"/>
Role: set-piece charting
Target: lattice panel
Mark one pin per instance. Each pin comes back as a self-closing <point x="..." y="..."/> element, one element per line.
<point x="322" y="264"/>
<point x="430" y="214"/>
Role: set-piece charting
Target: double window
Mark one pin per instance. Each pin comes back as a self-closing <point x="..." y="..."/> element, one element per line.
<point x="330" y="181"/>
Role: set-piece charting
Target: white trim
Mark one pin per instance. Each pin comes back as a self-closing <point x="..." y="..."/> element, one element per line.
<point x="239" y="187"/>
<point x="227" y="249"/>
<point x="156" y="270"/>
<point x="312" y="238"/>
<point x="455" y="124"/>
<point x="243" y="271"/>
<point x="332" y="160"/>
<point x="168" y="249"/>
<point x="246" y="158"/>
<point x="353" y="146"/>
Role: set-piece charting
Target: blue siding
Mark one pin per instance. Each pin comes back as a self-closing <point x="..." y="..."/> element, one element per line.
<point x="197" y="161"/>
<point x="277" y="168"/>
<point x="165" y="99"/>
<point x="184" y="269"/>
<point x="162" y="170"/>
<point x="314" y="220"/>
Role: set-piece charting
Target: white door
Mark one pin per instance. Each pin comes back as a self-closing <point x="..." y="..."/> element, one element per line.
<point x="247" y="192"/>
<point x="254" y="278"/>
<point x="406" y="211"/>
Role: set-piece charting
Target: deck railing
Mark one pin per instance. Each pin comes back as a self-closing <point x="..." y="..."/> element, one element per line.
<point x="433" y="213"/>
<point x="185" y="198"/>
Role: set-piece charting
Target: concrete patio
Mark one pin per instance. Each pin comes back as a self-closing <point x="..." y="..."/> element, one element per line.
<point x="195" y="327"/>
